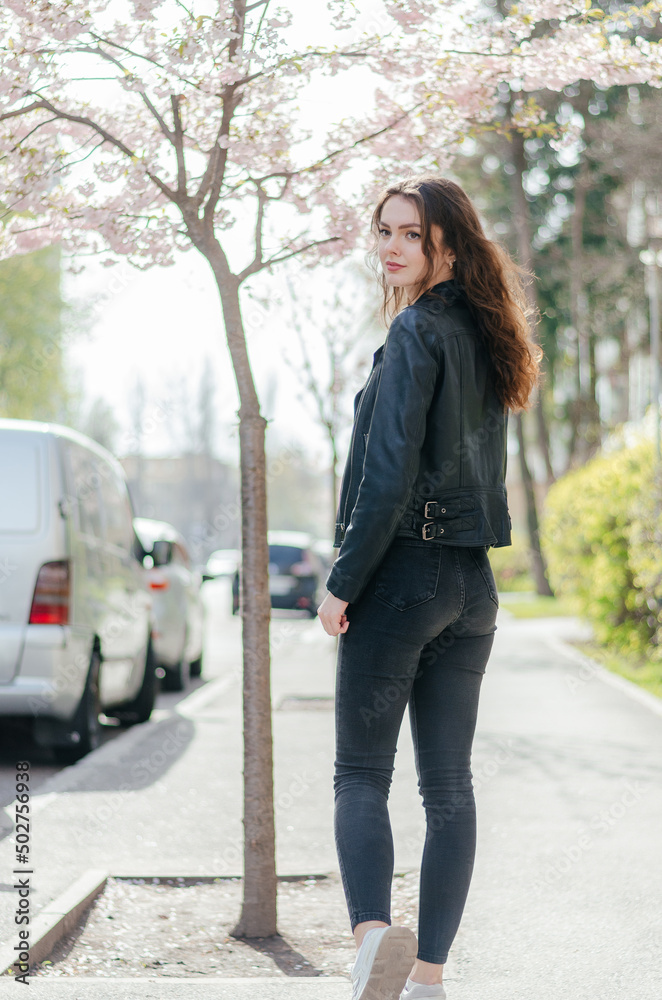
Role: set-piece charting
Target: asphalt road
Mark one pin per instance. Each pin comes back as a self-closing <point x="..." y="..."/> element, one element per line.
<point x="15" y="739"/>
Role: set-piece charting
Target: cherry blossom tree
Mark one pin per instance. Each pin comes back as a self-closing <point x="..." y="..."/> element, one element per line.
<point x="175" y="127"/>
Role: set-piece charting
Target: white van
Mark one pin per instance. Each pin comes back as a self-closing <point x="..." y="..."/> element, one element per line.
<point x="75" y="610"/>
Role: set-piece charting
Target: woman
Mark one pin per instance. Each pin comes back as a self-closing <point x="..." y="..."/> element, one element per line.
<point x="411" y="594"/>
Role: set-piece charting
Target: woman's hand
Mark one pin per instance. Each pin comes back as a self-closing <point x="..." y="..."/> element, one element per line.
<point x="331" y="614"/>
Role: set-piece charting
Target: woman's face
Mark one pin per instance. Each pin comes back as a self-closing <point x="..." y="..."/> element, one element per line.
<point x="400" y="247"/>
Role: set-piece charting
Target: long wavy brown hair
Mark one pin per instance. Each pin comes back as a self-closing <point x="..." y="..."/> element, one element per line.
<point x="490" y="279"/>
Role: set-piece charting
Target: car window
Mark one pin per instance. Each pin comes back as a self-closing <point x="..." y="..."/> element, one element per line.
<point x="84" y="489"/>
<point x="162" y="552"/>
<point x="119" y="527"/>
<point x="284" y="556"/>
<point x="20" y="489"/>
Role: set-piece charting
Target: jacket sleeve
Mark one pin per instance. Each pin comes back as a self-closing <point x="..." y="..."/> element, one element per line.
<point x="392" y="456"/>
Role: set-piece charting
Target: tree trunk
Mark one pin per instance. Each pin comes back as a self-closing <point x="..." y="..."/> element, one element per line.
<point x="258" y="914"/>
<point x="334" y="484"/>
<point x="332" y="431"/>
<point x="537" y="559"/>
<point x="588" y="416"/>
<point x="525" y="255"/>
<point x="523" y="230"/>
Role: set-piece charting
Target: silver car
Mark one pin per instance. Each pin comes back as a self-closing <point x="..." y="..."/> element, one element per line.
<point x="177" y="602"/>
<point x="75" y="610"/>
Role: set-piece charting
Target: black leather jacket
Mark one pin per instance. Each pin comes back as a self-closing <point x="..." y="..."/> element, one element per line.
<point x="427" y="457"/>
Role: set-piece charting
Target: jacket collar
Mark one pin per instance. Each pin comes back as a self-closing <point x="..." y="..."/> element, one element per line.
<point x="449" y="291"/>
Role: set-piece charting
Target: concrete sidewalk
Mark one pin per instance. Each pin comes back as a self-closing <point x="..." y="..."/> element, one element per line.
<point x="565" y="899"/>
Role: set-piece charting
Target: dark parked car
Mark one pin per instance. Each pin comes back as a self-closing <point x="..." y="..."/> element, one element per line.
<point x="296" y="573"/>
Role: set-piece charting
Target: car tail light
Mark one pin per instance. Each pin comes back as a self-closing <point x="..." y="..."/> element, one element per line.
<point x="50" y="603"/>
<point x="302" y="568"/>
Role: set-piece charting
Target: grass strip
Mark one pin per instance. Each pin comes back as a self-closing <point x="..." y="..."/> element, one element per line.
<point x="534" y="606"/>
<point x="639" y="670"/>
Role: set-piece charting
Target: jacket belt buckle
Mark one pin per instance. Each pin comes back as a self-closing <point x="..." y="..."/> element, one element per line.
<point x="434" y="503"/>
<point x="426" y="536"/>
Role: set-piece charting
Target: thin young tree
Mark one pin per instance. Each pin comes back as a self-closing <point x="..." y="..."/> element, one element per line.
<point x="192" y="124"/>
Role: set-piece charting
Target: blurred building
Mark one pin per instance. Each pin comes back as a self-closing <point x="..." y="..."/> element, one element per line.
<point x="197" y="493"/>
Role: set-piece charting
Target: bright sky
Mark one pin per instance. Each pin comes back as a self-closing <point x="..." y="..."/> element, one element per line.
<point x="164" y="326"/>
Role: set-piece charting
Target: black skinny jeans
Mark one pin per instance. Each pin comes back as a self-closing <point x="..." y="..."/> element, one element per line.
<point x="421" y="633"/>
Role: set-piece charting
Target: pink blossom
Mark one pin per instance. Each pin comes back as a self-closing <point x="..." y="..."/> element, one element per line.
<point x="96" y="168"/>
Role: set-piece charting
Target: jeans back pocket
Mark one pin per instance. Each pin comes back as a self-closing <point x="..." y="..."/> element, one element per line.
<point x="482" y="561"/>
<point x="408" y="574"/>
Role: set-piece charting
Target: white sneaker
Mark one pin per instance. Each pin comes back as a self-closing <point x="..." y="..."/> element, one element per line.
<point x="416" y="991"/>
<point x="384" y="961"/>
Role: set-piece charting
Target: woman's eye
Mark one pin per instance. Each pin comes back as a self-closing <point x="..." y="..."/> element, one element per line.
<point x="415" y="235"/>
<point x="384" y="232"/>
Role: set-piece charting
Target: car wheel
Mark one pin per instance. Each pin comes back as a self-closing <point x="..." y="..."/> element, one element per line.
<point x="196" y="667"/>
<point x="85" y="723"/>
<point x="140" y="709"/>
<point x="176" y="678"/>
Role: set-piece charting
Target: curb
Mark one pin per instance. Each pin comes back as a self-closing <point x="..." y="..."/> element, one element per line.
<point x="595" y="669"/>
<point x="198" y="988"/>
<point x="57" y="919"/>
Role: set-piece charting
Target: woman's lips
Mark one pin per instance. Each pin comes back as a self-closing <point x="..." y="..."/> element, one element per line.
<point x="392" y="266"/>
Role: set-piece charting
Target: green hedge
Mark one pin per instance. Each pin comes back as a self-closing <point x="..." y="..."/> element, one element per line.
<point x="511" y="567"/>
<point x="602" y="536"/>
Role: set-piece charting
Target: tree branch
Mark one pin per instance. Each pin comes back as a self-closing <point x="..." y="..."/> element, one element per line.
<point x="31" y="132"/>
<point x="296" y="58"/>
<point x="179" y="145"/>
<point x="107" y="137"/>
<point x="73" y="163"/>
<point x="257" y="262"/>
<point x="123" y="48"/>
<point x="253" y="269"/>
<point x="215" y="172"/>
<point x="185" y="9"/>
<point x="21" y="111"/>
<point x="220" y="160"/>
<point x="206" y="178"/>
<point x="148" y="104"/>
<point x="289" y="174"/>
<point x="138" y="55"/>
